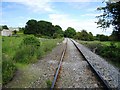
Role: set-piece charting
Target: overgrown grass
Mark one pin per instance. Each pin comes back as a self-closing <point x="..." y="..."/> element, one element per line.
<point x="8" y="69"/>
<point x="0" y="61"/>
<point x="108" y="50"/>
<point x="19" y="51"/>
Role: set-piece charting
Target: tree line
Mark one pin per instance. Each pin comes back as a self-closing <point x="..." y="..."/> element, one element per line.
<point x="43" y="28"/>
<point x="46" y="29"/>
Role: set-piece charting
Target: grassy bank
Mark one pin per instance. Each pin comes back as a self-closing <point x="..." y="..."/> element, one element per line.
<point x="23" y="50"/>
<point x="109" y="50"/>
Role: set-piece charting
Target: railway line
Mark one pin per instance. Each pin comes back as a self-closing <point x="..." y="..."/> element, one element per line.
<point x="75" y="71"/>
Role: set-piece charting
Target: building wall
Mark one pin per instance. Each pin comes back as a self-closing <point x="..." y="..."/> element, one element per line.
<point x="6" y="33"/>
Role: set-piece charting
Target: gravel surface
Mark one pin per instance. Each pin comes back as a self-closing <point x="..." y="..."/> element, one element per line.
<point x="75" y="71"/>
<point x="36" y="75"/>
<point x="108" y="71"/>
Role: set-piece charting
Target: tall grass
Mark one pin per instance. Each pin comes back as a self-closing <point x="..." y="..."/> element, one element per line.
<point x="24" y="50"/>
<point x="108" y="50"/>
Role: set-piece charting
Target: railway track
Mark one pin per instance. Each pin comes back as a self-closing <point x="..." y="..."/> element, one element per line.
<point x="57" y="76"/>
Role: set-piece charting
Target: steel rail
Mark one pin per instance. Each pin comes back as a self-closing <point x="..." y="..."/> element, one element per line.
<point x="58" y="69"/>
<point x="107" y="86"/>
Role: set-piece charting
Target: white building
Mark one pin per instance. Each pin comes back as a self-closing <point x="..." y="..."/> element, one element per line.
<point x="6" y="32"/>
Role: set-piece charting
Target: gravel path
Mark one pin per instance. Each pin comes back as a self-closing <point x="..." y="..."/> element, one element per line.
<point x="36" y="75"/>
<point x="75" y="72"/>
<point x="108" y="71"/>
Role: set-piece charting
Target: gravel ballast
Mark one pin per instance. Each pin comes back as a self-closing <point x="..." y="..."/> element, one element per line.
<point x="75" y="71"/>
<point x="108" y="72"/>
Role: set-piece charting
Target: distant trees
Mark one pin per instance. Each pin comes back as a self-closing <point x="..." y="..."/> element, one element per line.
<point x="83" y="35"/>
<point x="58" y="32"/>
<point x="21" y="29"/>
<point x="70" y="32"/>
<point x="5" y="27"/>
<point x="102" y="37"/>
<point x="14" y="32"/>
<point x="31" y="27"/>
<point x="43" y="28"/>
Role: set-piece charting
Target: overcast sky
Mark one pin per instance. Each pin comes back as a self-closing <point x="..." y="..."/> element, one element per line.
<point x="79" y="14"/>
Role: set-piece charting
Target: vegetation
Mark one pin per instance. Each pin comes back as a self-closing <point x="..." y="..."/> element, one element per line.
<point x="28" y="50"/>
<point x="102" y="37"/>
<point x="110" y="16"/>
<point x="49" y="83"/>
<point x="43" y="28"/>
<point x="8" y="69"/>
<point x="70" y="32"/>
<point x="5" y="27"/>
<point x="108" y="50"/>
<point x="84" y="35"/>
<point x="24" y="50"/>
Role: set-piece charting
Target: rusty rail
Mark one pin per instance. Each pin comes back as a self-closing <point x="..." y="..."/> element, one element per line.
<point x="58" y="69"/>
<point x="107" y="87"/>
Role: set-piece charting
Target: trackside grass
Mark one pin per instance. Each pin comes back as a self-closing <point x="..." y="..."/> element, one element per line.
<point x="17" y="52"/>
<point x="109" y="50"/>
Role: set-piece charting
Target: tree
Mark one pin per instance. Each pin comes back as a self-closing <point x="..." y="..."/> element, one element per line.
<point x="45" y="28"/>
<point x="0" y="28"/>
<point x="102" y="37"/>
<point x="5" y="27"/>
<point x="84" y="35"/>
<point x="70" y="32"/>
<point x="58" y="32"/>
<point x="14" y="32"/>
<point x="91" y="37"/>
<point x="110" y="16"/>
<point x="21" y="29"/>
<point x="31" y="27"/>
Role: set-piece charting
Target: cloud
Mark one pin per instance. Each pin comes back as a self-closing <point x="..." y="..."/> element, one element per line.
<point x="35" y="5"/>
<point x="92" y="14"/>
<point x="65" y="21"/>
<point x="57" y="0"/>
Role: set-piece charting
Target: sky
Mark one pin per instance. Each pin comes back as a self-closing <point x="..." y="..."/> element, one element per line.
<point x="79" y="14"/>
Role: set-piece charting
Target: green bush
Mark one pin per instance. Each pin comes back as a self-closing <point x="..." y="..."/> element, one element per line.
<point x="112" y="52"/>
<point x="8" y="70"/>
<point x="29" y="50"/>
<point x="109" y="51"/>
<point x="49" y="83"/>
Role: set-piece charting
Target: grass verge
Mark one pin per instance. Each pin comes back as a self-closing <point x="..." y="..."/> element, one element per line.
<point x="22" y="50"/>
<point x="109" y="50"/>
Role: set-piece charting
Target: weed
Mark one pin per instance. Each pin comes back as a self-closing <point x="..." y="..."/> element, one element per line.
<point x="49" y="83"/>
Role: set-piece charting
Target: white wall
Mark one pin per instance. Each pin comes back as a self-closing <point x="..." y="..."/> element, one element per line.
<point x="6" y="33"/>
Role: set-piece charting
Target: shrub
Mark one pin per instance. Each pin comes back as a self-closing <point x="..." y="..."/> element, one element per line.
<point x="8" y="70"/>
<point x="29" y="50"/>
<point x="49" y="83"/>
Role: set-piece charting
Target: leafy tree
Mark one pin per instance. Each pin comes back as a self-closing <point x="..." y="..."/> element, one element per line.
<point x="84" y="35"/>
<point x="0" y="28"/>
<point x="14" y="32"/>
<point x="58" y="32"/>
<point x="91" y="37"/>
<point x="21" y="29"/>
<point x="78" y="36"/>
<point x="31" y="27"/>
<point x="102" y="37"/>
<point x="5" y="27"/>
<point x="70" y="32"/>
<point x="110" y="16"/>
<point x="113" y="36"/>
<point x="45" y="28"/>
